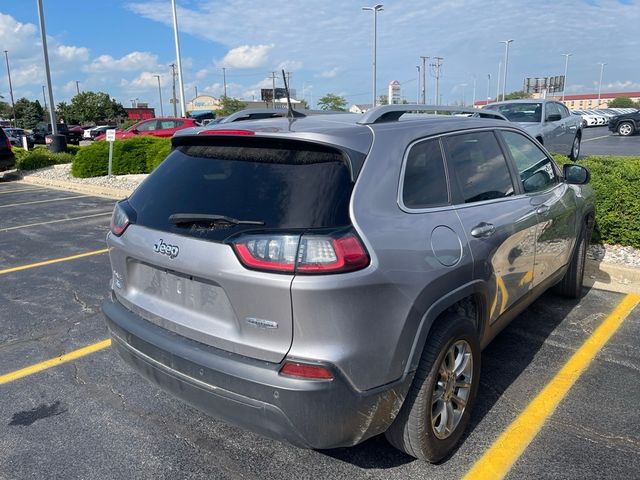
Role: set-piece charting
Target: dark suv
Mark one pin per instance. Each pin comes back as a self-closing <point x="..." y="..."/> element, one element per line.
<point x="7" y="158"/>
<point x="41" y="130"/>
<point x="329" y="278"/>
<point x="625" y="124"/>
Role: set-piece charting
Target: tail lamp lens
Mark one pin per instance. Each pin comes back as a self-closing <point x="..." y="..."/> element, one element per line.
<point x="9" y="146"/>
<point x="306" y="254"/>
<point x="119" y="220"/>
<point x="305" y="371"/>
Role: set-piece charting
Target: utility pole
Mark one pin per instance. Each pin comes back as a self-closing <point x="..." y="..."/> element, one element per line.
<point x="196" y="89"/>
<point x="224" y="79"/>
<point x="45" y="52"/>
<point x="424" y="79"/>
<point x="419" y="89"/>
<point x="44" y="97"/>
<point x="273" y="89"/>
<point x="506" y="65"/>
<point x="77" y="87"/>
<point x="473" y="102"/>
<point x="173" y="99"/>
<point x="436" y="73"/>
<point x="13" y="105"/>
<point x="499" y="76"/>
<point x="178" y="59"/>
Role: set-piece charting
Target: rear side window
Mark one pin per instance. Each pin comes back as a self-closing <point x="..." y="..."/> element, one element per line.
<point x="479" y="167"/>
<point x="425" y="181"/>
<point x="288" y="185"/>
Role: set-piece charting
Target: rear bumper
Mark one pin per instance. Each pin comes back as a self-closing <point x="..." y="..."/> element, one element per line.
<point x="249" y="393"/>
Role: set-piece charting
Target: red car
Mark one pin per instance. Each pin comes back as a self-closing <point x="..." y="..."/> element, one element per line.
<point x="157" y="127"/>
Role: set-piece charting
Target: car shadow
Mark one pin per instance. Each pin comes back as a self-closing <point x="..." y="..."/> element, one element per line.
<point x="503" y="361"/>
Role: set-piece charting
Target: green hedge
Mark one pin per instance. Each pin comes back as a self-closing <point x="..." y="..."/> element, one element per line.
<point x="133" y="155"/>
<point x="615" y="181"/>
<point x="39" y="157"/>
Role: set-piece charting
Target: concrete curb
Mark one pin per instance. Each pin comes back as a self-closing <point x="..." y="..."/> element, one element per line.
<point x="599" y="275"/>
<point x="97" y="190"/>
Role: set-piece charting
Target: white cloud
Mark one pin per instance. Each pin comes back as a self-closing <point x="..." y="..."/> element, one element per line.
<point x="134" y="61"/>
<point x="246" y="56"/>
<point x="70" y="53"/>
<point x="290" y="65"/>
<point x="144" y="81"/>
<point x="329" y="73"/>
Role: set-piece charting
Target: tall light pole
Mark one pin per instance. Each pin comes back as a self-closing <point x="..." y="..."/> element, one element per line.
<point x="436" y="73"/>
<point x="499" y="77"/>
<point x="178" y="58"/>
<point x="45" y="52"/>
<point x="78" y="87"/>
<point x="488" y="87"/>
<point x="173" y="98"/>
<point x="375" y="9"/>
<point x="566" y="67"/>
<point x="600" y="84"/>
<point x="160" y="95"/>
<point x="13" y="105"/>
<point x="419" y="77"/>
<point x="224" y="80"/>
<point x="424" y="79"/>
<point x="473" y="102"/>
<point x="506" y="66"/>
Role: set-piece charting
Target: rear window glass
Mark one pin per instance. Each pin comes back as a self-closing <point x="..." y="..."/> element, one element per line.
<point x="425" y="182"/>
<point x="286" y="188"/>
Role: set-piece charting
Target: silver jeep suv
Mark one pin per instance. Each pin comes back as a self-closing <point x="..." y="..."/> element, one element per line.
<point x="325" y="279"/>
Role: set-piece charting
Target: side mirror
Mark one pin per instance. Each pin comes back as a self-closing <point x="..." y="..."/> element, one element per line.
<point x="575" y="174"/>
<point x="536" y="182"/>
<point x="135" y="130"/>
<point x="554" y="117"/>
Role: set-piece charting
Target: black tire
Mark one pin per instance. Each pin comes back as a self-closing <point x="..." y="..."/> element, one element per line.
<point x="412" y="431"/>
<point x="571" y="284"/>
<point x="625" y="129"/>
<point x="575" y="148"/>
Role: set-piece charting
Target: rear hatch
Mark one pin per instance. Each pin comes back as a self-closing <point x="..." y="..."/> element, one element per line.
<point x="185" y="276"/>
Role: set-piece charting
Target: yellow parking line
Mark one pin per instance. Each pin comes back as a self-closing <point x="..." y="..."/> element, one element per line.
<point x="55" y="260"/>
<point x="54" y="362"/>
<point x="43" y="201"/>
<point x="55" y="221"/>
<point x="504" y="452"/>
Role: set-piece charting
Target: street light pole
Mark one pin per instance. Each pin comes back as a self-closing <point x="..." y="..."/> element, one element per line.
<point x="375" y="9"/>
<point x="45" y="52"/>
<point x="160" y="95"/>
<point x="77" y="87"/>
<point x="173" y="99"/>
<point x="566" y="67"/>
<point x="224" y="79"/>
<point x="418" y="93"/>
<point x="488" y="87"/>
<point x="506" y="66"/>
<point x="600" y="84"/>
<point x="473" y="102"/>
<point x="178" y="59"/>
<point x="13" y="105"/>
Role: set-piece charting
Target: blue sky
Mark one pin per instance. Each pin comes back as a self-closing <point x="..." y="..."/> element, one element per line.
<point x="118" y="46"/>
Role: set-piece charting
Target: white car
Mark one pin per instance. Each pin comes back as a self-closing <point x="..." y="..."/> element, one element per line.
<point x="588" y="120"/>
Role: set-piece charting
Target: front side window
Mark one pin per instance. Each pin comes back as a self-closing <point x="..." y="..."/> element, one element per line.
<point x="425" y="182"/>
<point x="146" y="126"/>
<point x="520" y="111"/>
<point x="479" y="166"/>
<point x="534" y="167"/>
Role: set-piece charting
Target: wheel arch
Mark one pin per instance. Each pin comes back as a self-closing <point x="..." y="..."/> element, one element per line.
<point x="471" y="296"/>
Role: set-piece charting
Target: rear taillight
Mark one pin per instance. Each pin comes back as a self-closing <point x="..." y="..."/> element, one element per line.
<point x="306" y="254"/>
<point x="119" y="220"/>
<point x="306" y="371"/>
<point x="9" y="146"/>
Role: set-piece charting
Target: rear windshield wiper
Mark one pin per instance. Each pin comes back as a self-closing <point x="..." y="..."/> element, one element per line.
<point x="203" y="218"/>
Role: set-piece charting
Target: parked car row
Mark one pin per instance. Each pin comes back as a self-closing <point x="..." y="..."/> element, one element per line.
<point x="599" y="116"/>
<point x="626" y="124"/>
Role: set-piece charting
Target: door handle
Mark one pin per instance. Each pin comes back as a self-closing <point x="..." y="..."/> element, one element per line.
<point x="542" y="210"/>
<point x="483" y="230"/>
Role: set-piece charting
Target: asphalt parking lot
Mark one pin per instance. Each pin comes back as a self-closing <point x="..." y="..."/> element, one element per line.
<point x="92" y="417"/>
<point x="601" y="141"/>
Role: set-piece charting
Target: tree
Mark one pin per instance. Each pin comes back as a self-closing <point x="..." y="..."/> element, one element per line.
<point x="229" y="106"/>
<point x="65" y="113"/>
<point x="303" y="104"/>
<point x="93" y="107"/>
<point x="383" y="100"/>
<point x="28" y="113"/>
<point x="622" y="102"/>
<point x="517" y="95"/>
<point x="333" y="102"/>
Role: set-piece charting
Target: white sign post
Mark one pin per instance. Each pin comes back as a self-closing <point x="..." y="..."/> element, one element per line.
<point x="111" y="137"/>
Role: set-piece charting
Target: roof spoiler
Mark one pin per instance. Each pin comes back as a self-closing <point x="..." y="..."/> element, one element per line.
<point x="392" y="113"/>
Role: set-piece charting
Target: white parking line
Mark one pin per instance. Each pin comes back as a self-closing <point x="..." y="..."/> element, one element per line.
<point x="2" y="192"/>
<point x="56" y="221"/>
<point x="44" y="201"/>
<point x="595" y="138"/>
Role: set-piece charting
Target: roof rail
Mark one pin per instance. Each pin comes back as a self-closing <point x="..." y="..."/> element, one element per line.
<point x="392" y="113"/>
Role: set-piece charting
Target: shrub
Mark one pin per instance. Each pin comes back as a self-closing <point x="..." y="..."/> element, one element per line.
<point x="133" y="155"/>
<point x="73" y="149"/>
<point x="615" y="181"/>
<point x="40" y="157"/>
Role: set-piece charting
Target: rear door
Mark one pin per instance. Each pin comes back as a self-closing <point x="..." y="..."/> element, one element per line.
<point x="166" y="128"/>
<point x="553" y="200"/>
<point x="500" y="224"/>
<point x="187" y="278"/>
